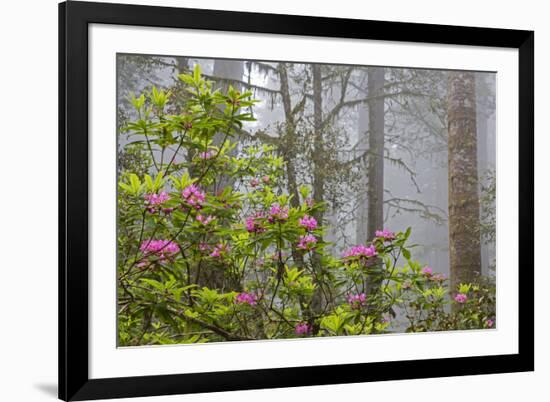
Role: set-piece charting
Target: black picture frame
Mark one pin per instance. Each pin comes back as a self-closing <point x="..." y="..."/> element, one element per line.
<point x="74" y="381"/>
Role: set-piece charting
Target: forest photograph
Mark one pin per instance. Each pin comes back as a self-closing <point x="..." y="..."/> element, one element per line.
<point x="262" y="199"/>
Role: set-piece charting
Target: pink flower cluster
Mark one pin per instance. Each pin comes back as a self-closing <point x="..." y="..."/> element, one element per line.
<point x="193" y="196"/>
<point x="205" y="221"/>
<point x="220" y="250"/>
<point x="438" y="277"/>
<point x="156" y="199"/>
<point x="461" y="298"/>
<point x="277" y="213"/>
<point x="254" y="223"/>
<point x="162" y="248"/>
<point x="489" y="323"/>
<point x="361" y="251"/>
<point x="385" y="234"/>
<point x="357" y="301"/>
<point x="302" y="328"/>
<point x="308" y="222"/>
<point x="249" y="298"/>
<point x="427" y="271"/>
<point x="307" y="242"/>
<point x="153" y="200"/>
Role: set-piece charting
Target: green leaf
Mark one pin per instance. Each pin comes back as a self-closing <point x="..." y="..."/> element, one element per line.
<point x="149" y="183"/>
<point x="135" y="184"/>
<point x="153" y="283"/>
<point x="197" y="74"/>
<point x="304" y="191"/>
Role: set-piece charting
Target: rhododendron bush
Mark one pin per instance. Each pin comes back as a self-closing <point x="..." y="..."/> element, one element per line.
<point x="211" y="248"/>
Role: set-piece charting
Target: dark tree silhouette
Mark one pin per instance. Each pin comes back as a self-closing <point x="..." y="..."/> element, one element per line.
<point x="376" y="151"/>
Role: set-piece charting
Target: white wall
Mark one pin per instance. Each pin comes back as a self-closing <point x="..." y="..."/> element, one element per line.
<point x="28" y="198"/>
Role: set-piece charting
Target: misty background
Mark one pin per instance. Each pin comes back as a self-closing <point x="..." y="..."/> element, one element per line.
<point x="372" y="141"/>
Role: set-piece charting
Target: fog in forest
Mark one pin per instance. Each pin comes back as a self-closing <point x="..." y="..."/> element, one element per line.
<point x="382" y="159"/>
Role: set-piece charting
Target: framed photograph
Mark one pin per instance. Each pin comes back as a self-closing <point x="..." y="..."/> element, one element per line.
<point x="258" y="201"/>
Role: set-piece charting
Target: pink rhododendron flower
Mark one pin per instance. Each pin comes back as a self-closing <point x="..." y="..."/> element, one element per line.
<point x="309" y="222"/>
<point x="438" y="277"/>
<point x="205" y="221"/>
<point x="249" y="298"/>
<point x="162" y="248"/>
<point x="156" y="199"/>
<point x="254" y="223"/>
<point x="307" y="242"/>
<point x="427" y="271"/>
<point x="220" y="250"/>
<point x="193" y="196"/>
<point x="277" y="213"/>
<point x="302" y="328"/>
<point x="489" y="323"/>
<point x="461" y="298"/>
<point x="254" y="182"/>
<point x="361" y="251"/>
<point x="204" y="246"/>
<point x="250" y="224"/>
<point x="153" y="200"/>
<point x="357" y="301"/>
<point x="385" y="234"/>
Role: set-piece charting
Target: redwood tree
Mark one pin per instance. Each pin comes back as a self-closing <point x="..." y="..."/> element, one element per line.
<point x="464" y="237"/>
<point x="375" y="192"/>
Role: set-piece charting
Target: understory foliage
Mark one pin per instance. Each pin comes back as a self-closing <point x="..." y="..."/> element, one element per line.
<point x="211" y="249"/>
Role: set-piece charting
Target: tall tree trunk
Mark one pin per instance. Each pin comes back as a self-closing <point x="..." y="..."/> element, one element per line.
<point x="375" y="191"/>
<point x="289" y="149"/>
<point x="464" y="236"/>
<point x="288" y="141"/>
<point x="361" y="148"/>
<point x="375" y="170"/>
<point x="318" y="145"/>
<point x="319" y="298"/>
<point x="482" y="153"/>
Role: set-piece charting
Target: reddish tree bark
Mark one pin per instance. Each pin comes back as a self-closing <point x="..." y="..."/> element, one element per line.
<point x="464" y="237"/>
